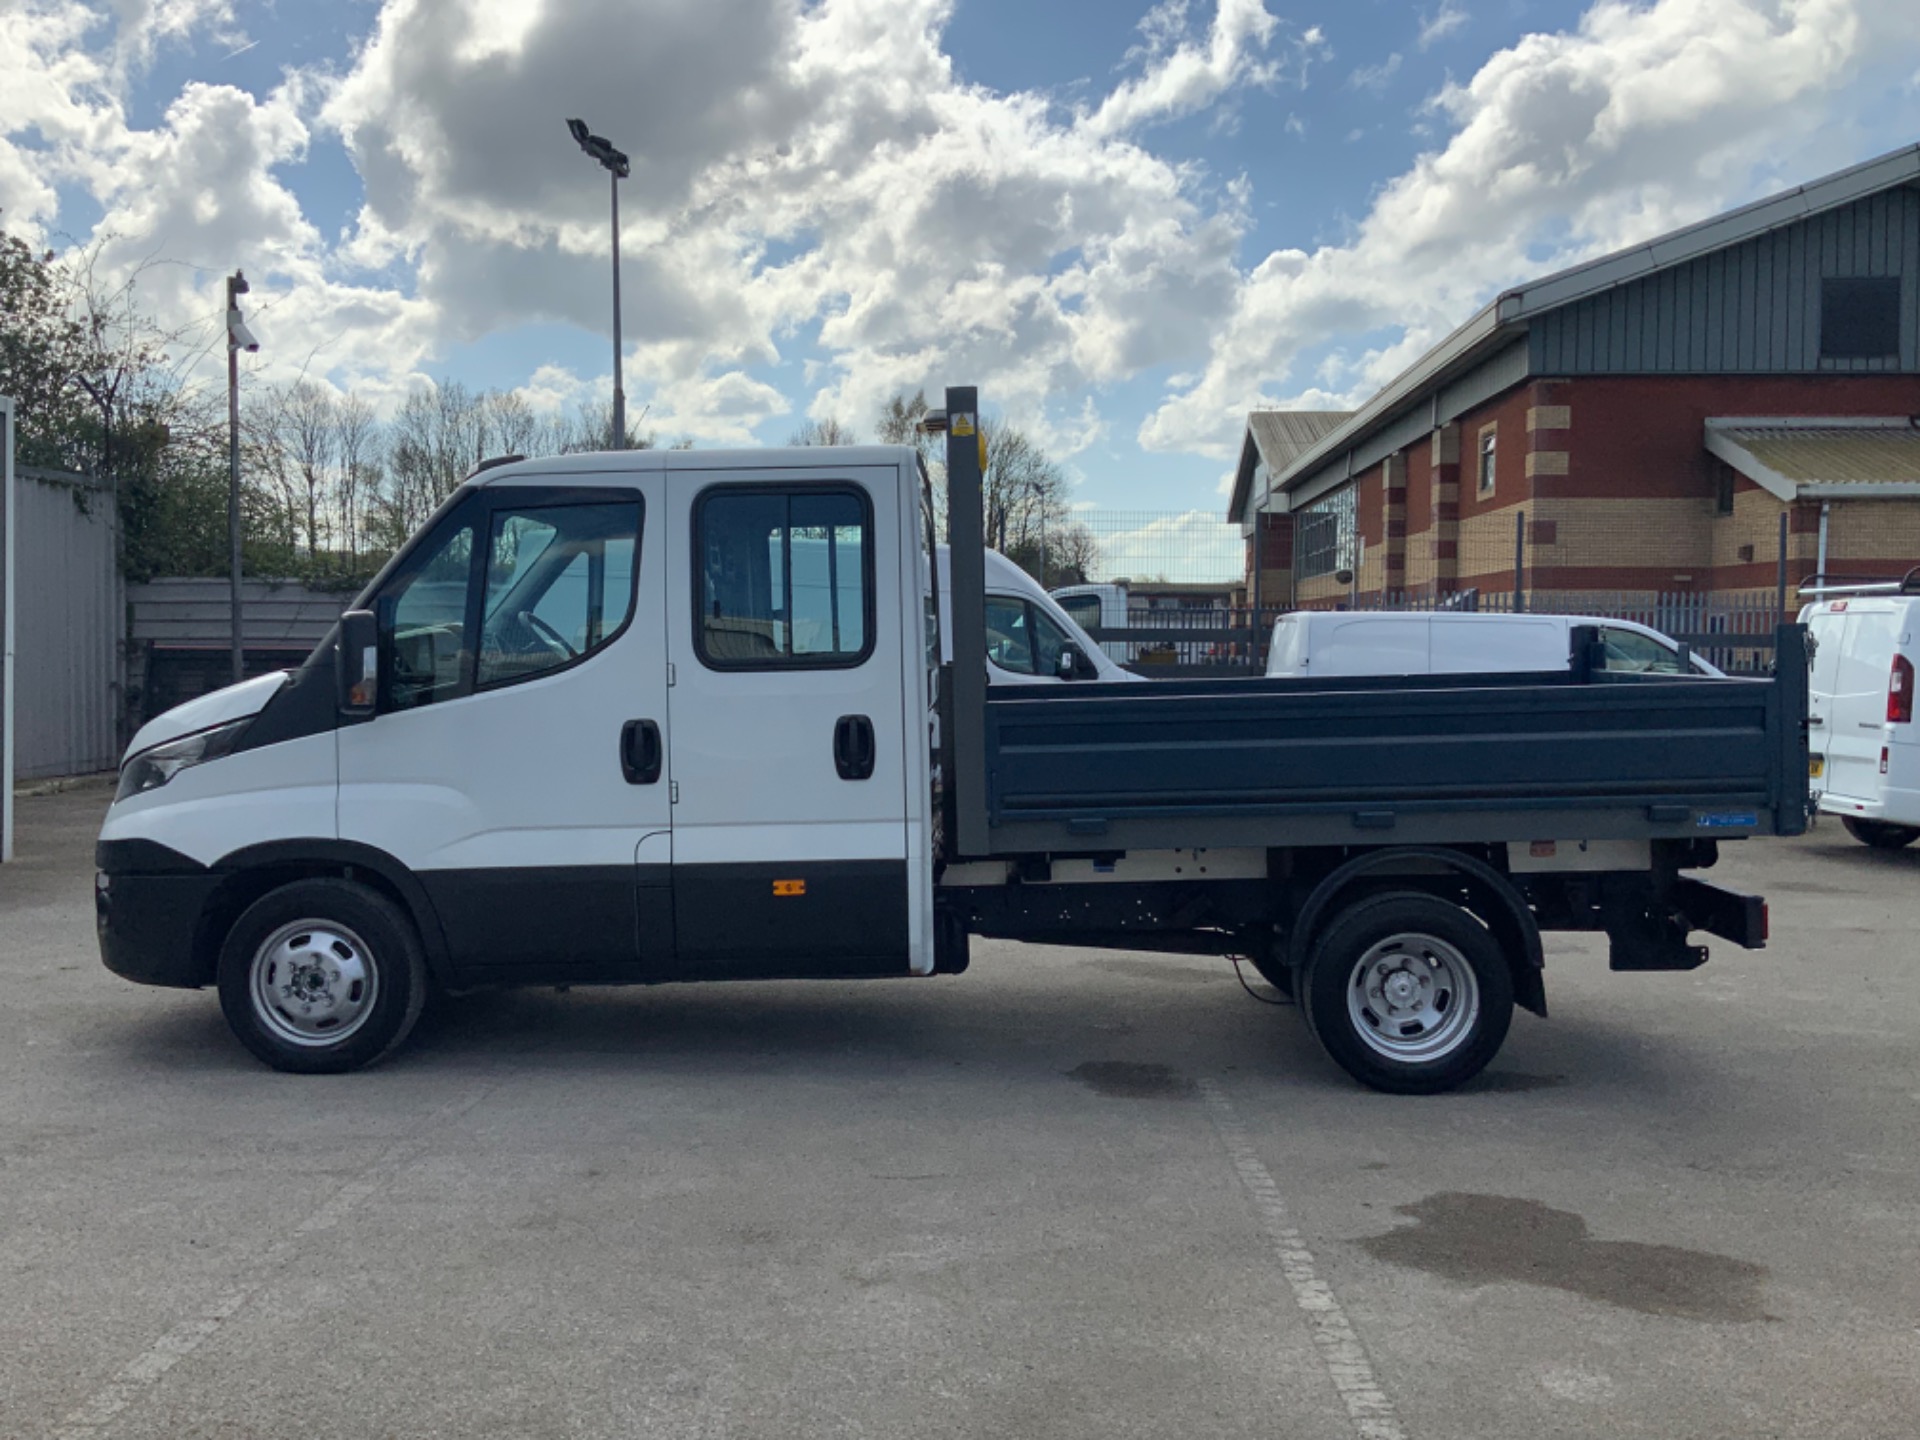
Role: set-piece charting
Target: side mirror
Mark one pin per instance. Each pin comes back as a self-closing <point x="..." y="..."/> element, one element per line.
<point x="1072" y="665"/>
<point x="357" y="662"/>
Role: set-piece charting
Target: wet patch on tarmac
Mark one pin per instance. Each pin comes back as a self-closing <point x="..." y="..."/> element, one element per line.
<point x="1130" y="1080"/>
<point x="1491" y="1239"/>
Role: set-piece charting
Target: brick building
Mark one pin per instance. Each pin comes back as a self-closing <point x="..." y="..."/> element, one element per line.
<point x="1632" y="426"/>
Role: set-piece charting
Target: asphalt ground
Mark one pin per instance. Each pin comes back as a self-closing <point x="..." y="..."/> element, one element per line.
<point x="1067" y="1194"/>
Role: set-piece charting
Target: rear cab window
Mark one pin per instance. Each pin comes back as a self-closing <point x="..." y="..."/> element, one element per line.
<point x="783" y="577"/>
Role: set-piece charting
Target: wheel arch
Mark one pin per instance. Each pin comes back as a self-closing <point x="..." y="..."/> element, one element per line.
<point x="1493" y="899"/>
<point x="251" y="872"/>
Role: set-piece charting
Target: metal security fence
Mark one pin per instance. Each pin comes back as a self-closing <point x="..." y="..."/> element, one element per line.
<point x="1731" y="630"/>
<point x="1171" y="547"/>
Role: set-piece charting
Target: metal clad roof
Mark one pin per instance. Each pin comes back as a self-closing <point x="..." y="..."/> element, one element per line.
<point x="1283" y="434"/>
<point x="1277" y="437"/>
<point x="1812" y="455"/>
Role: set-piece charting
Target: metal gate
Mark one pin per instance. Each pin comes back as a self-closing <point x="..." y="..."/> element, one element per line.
<point x="67" y="617"/>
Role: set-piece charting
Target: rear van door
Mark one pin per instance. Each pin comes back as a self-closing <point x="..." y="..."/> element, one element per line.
<point x="1857" y="713"/>
<point x="1827" y="629"/>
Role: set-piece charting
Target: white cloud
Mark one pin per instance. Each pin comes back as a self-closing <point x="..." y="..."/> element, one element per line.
<point x="1182" y="75"/>
<point x="1447" y="20"/>
<point x="1644" y="118"/>
<point x="812" y="181"/>
<point x="1376" y="77"/>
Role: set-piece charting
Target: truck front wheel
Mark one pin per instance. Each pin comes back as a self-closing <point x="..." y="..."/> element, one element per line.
<point x="1408" y="993"/>
<point x="322" y="976"/>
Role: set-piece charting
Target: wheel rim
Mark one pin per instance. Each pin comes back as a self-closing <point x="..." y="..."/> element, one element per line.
<point x="1413" y="998"/>
<point x="313" y="983"/>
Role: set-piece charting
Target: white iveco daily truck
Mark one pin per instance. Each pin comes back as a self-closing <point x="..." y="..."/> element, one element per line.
<point x="682" y="715"/>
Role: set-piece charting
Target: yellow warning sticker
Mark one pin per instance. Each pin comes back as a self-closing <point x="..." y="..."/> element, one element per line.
<point x="962" y="424"/>
<point x="789" y="887"/>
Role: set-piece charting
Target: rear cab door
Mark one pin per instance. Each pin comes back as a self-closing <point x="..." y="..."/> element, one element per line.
<point x="795" y="682"/>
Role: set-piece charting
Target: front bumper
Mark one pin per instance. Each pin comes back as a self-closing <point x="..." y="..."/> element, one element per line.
<point x="148" y="904"/>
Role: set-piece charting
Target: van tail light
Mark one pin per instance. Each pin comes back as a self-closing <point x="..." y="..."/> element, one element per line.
<point x="1900" y="691"/>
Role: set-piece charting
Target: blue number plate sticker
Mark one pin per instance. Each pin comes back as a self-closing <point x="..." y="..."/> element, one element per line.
<point x="1727" y="820"/>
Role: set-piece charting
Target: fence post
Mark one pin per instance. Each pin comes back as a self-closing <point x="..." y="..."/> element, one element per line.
<point x="1519" y="562"/>
<point x="1780" y="584"/>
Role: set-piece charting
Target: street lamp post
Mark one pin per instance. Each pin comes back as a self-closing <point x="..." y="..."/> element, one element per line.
<point x="238" y="338"/>
<point x="616" y="165"/>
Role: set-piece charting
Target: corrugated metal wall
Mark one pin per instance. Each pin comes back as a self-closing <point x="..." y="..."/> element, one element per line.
<point x="1751" y="308"/>
<point x="69" y="611"/>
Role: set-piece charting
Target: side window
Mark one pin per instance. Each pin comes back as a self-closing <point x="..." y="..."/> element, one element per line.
<point x="1085" y="610"/>
<point x="1009" y="639"/>
<point x="1632" y="651"/>
<point x="1048" y="640"/>
<point x="424" y="654"/>
<point x="785" y="578"/>
<point x="559" y="585"/>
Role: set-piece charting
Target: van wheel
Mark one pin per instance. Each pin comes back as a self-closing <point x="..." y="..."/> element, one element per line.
<point x="1880" y="834"/>
<point x="322" y="976"/>
<point x="1409" y="994"/>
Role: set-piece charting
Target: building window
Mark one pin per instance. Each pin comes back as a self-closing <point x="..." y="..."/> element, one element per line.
<point x="1860" y="319"/>
<point x="1723" y="489"/>
<point x="1488" y="439"/>
<point x="786" y="577"/>
<point x="1325" y="534"/>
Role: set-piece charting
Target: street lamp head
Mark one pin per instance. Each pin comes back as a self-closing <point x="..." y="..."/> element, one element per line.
<point x="600" y="148"/>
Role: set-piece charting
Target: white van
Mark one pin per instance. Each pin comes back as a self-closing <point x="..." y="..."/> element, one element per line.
<point x="1439" y="642"/>
<point x="1030" y="639"/>
<point x="1863" y="753"/>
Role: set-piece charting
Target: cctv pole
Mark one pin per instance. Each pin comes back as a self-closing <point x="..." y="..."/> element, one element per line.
<point x="619" y="392"/>
<point x="236" y="287"/>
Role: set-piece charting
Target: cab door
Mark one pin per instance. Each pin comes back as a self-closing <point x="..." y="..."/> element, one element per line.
<point x="788" y="723"/>
<point x="516" y="762"/>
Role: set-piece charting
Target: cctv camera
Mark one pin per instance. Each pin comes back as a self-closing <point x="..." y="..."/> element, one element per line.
<point x="239" y="336"/>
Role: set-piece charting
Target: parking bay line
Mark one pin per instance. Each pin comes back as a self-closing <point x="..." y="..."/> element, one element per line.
<point x="105" y="1405"/>
<point x="1334" y="1338"/>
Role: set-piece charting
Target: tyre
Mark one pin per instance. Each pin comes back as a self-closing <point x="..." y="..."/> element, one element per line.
<point x="1880" y="834"/>
<point x="1408" y="993"/>
<point x="322" y="976"/>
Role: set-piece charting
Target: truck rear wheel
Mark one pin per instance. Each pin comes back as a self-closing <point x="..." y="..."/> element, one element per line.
<point x="1408" y="993"/>
<point x="1881" y="834"/>
<point x="322" y="976"/>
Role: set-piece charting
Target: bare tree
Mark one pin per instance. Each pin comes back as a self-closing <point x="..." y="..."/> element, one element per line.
<point x="823" y="432"/>
<point x="356" y="435"/>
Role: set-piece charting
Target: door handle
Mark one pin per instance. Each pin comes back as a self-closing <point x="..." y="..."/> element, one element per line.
<point x="853" y="747"/>
<point x="641" y="752"/>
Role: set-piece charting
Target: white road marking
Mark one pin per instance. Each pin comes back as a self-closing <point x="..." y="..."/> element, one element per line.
<point x="106" y="1404"/>
<point x="1334" y="1339"/>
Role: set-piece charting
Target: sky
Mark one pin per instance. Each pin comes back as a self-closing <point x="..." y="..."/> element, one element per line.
<point x="1127" y="223"/>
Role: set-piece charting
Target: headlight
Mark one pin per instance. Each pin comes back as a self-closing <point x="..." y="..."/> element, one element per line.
<point x="154" y="767"/>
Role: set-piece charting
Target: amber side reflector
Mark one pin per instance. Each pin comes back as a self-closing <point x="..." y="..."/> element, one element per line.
<point x="789" y="887"/>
